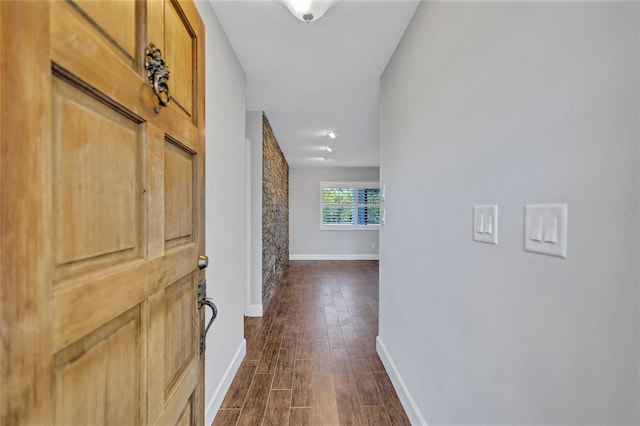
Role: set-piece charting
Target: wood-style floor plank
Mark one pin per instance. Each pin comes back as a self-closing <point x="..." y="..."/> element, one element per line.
<point x="240" y="386"/>
<point x="335" y="336"/>
<point x="375" y="416"/>
<point x="255" y="346"/>
<point x="325" y="405"/>
<point x="304" y="346"/>
<point x="340" y="361"/>
<point x="311" y="359"/>
<point x="256" y="402"/>
<point x="321" y="356"/>
<point x="396" y="413"/>
<point x="278" y="407"/>
<point x="301" y="417"/>
<point x="375" y="363"/>
<point x="349" y="410"/>
<point x="284" y="369"/>
<point x="227" y="417"/>
<point x="367" y="389"/>
<point x="302" y="385"/>
<point x="269" y="358"/>
<point x="289" y="339"/>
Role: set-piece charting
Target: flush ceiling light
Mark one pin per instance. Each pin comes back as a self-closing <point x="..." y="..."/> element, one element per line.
<point x="332" y="135"/>
<point x="308" y="10"/>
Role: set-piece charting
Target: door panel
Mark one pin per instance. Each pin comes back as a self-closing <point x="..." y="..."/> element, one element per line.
<point x="99" y="251"/>
<point x="179" y="45"/>
<point x="183" y="396"/>
<point x="179" y="347"/>
<point x="116" y="21"/>
<point x="81" y="52"/>
<point x="96" y="183"/>
<point x="179" y="173"/>
<point x="98" y="377"/>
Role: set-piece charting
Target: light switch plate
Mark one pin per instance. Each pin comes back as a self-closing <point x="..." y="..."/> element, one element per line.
<point x="545" y="229"/>
<point x="485" y="223"/>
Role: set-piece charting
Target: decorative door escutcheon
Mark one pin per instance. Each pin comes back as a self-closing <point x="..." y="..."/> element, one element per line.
<point x="158" y="74"/>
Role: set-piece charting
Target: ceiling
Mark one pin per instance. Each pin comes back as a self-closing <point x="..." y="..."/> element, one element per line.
<point x="313" y="78"/>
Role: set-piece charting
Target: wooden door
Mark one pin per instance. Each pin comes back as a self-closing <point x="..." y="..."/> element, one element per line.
<point x="101" y="214"/>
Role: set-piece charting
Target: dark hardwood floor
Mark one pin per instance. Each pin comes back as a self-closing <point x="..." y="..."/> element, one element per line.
<point x="311" y="359"/>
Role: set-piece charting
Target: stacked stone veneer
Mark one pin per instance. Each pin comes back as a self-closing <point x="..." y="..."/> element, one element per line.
<point x="275" y="212"/>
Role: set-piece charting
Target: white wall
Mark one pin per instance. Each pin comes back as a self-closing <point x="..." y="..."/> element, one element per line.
<point x="225" y="226"/>
<point x="512" y="103"/>
<point x="254" y="135"/>
<point x="306" y="240"/>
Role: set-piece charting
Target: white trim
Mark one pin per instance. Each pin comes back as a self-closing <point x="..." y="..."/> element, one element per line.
<point x="350" y="184"/>
<point x="346" y="227"/>
<point x="254" y="311"/>
<point x="408" y="403"/>
<point x="247" y="226"/>
<point x="334" y="257"/>
<point x="223" y="386"/>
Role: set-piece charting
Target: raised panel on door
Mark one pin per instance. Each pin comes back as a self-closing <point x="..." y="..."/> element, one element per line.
<point x="180" y="348"/>
<point x="98" y="377"/>
<point x="179" y="187"/>
<point x="180" y="49"/>
<point x="116" y="22"/>
<point x="97" y="184"/>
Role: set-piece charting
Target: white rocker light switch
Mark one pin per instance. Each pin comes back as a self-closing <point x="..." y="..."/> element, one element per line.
<point x="546" y="229"/>
<point x="485" y="223"/>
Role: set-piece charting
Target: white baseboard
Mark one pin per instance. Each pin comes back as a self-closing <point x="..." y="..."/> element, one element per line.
<point x="215" y="401"/>
<point x="333" y="257"/>
<point x="254" y="311"/>
<point x="408" y="403"/>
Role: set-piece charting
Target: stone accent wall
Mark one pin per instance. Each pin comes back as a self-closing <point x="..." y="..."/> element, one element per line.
<point x="275" y="212"/>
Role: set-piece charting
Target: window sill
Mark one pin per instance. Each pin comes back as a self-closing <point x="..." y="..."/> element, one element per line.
<point x="349" y="227"/>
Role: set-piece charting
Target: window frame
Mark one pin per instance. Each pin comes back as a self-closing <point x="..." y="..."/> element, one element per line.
<point x="348" y="185"/>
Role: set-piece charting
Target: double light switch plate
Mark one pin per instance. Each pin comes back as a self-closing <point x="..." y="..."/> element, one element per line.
<point x="546" y="229"/>
<point x="485" y="223"/>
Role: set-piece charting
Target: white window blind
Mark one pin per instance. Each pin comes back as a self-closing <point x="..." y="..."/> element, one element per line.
<point x="349" y="205"/>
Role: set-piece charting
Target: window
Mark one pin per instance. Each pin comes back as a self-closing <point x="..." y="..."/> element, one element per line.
<point x="349" y="205"/>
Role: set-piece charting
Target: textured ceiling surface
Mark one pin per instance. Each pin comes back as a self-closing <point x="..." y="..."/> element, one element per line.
<point x="318" y="77"/>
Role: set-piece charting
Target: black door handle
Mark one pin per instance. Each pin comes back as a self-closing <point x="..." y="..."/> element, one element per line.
<point x="214" y="314"/>
<point x="203" y="301"/>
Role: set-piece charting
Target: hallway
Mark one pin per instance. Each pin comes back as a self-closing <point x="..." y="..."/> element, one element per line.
<point x="311" y="359"/>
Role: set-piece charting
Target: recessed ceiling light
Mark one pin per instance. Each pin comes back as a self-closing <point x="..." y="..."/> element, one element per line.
<point x="332" y="135"/>
<point x="328" y="148"/>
